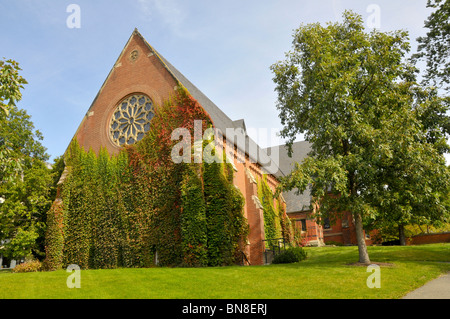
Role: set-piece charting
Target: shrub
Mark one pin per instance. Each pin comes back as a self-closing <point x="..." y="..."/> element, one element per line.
<point x="29" y="266"/>
<point x="290" y="255"/>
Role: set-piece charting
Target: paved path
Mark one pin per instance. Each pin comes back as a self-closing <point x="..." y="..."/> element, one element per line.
<point x="438" y="288"/>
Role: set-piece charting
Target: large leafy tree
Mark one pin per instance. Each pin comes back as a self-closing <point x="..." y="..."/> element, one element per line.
<point x="25" y="180"/>
<point x="23" y="212"/>
<point x="434" y="48"/>
<point x="10" y="85"/>
<point x="354" y="98"/>
<point x="432" y="112"/>
<point x="26" y="190"/>
<point x="415" y="178"/>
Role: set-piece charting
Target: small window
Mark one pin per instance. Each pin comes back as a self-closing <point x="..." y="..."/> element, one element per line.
<point x="326" y="223"/>
<point x="301" y="224"/>
<point x="344" y="223"/>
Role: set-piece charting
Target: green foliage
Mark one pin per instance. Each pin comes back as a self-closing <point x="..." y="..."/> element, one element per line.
<point x="54" y="237"/>
<point x="414" y="230"/>
<point x="290" y="255"/>
<point x="56" y="172"/>
<point x="225" y="223"/>
<point x="140" y="208"/>
<point x="193" y="217"/>
<point x="376" y="143"/>
<point x="271" y="218"/>
<point x="276" y="222"/>
<point x="21" y="244"/>
<point x="20" y="145"/>
<point x="93" y="230"/>
<point x="27" y="185"/>
<point x="390" y="232"/>
<point x="434" y="46"/>
<point x="28" y="266"/>
<point x="287" y="227"/>
<point x="12" y="126"/>
<point x="10" y="85"/>
<point x="18" y="134"/>
<point x="24" y="209"/>
<point x="24" y="177"/>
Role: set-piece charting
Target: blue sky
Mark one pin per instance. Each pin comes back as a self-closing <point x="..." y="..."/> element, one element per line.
<point x="224" y="47"/>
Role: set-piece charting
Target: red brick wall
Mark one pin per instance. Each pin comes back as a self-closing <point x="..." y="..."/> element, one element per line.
<point x="313" y="231"/>
<point x="429" y="239"/>
<point x="341" y="231"/>
<point x="148" y="75"/>
<point x="144" y="75"/>
<point x="255" y="217"/>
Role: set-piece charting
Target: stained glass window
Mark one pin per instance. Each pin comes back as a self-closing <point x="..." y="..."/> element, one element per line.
<point x="131" y="119"/>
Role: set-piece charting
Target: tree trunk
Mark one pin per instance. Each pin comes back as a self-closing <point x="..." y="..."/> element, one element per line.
<point x="362" y="248"/>
<point x="401" y="235"/>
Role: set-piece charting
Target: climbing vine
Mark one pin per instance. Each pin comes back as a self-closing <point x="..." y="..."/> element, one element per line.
<point x="276" y="222"/>
<point x="139" y="208"/>
<point x="54" y="237"/>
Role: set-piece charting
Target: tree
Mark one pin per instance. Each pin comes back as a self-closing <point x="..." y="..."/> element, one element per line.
<point x="27" y="196"/>
<point x="10" y="85"/>
<point x="25" y="179"/>
<point x="415" y="176"/>
<point x="434" y="47"/>
<point x="351" y="94"/>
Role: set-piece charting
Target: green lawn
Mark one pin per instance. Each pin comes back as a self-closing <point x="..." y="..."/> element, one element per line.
<point x="325" y="274"/>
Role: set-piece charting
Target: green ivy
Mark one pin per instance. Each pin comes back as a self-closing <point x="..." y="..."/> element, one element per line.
<point x="124" y="210"/>
<point x="193" y="217"/>
<point x="54" y="237"/>
<point x="276" y="222"/>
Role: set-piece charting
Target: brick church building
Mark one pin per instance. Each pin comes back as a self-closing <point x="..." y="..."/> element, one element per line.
<point x="141" y="72"/>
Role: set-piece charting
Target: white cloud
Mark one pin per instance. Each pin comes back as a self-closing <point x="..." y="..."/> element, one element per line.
<point x="172" y="14"/>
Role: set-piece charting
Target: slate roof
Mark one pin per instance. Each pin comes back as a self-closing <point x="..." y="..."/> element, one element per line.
<point x="279" y="167"/>
<point x="220" y="119"/>
<point x="294" y="202"/>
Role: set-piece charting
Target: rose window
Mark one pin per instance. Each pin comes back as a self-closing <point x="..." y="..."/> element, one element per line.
<point x="131" y="119"/>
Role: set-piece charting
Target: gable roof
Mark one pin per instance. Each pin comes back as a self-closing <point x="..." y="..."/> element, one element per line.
<point x="220" y="119"/>
<point x="294" y="202"/>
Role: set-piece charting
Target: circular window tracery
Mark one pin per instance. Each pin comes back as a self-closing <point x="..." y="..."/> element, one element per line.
<point x="131" y="119"/>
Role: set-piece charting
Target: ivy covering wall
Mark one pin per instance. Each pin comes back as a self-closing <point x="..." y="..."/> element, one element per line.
<point x="139" y="208"/>
<point x="276" y="222"/>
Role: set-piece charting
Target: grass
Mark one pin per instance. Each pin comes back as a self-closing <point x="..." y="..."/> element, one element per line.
<point x="326" y="273"/>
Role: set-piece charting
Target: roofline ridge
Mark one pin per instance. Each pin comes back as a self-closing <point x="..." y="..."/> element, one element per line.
<point x="135" y="31"/>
